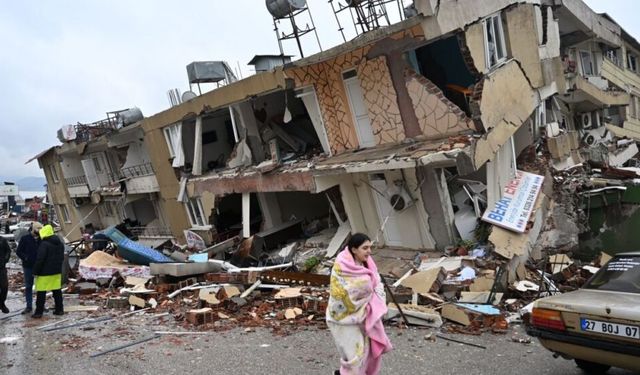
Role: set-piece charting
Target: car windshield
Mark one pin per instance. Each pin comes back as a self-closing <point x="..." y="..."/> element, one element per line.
<point x="621" y="274"/>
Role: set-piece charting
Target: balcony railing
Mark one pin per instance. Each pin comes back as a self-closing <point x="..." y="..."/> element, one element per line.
<point x="87" y="132"/>
<point x="151" y="231"/>
<point x="137" y="170"/>
<point x="76" y="181"/>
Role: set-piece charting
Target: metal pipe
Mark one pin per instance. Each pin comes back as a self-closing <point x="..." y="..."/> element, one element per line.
<point x="155" y="336"/>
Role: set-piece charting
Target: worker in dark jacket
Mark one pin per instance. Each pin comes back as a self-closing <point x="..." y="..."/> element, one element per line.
<point x="27" y="252"/>
<point x="48" y="271"/>
<point x="5" y="254"/>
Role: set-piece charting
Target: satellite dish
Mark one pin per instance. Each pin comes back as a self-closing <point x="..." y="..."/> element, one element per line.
<point x="95" y="197"/>
<point x="282" y="8"/>
<point x="188" y="95"/>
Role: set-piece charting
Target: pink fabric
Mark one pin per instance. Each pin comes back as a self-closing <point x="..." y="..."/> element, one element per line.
<point x="376" y="309"/>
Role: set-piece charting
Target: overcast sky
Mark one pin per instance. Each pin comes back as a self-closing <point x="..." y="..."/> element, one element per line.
<point x="64" y="61"/>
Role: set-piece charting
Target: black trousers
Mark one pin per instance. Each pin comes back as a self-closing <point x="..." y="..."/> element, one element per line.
<point x="41" y="297"/>
<point x="4" y="286"/>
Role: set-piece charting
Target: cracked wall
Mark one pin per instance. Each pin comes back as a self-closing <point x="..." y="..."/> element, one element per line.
<point x="381" y="100"/>
<point x="438" y="117"/>
<point x="379" y="86"/>
<point x="326" y="77"/>
<point x="507" y="102"/>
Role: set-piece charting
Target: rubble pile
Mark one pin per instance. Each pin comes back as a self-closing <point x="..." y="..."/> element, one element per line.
<point x="467" y="294"/>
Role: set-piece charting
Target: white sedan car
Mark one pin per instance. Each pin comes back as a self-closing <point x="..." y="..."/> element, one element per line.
<point x="598" y="326"/>
<point x="20" y="225"/>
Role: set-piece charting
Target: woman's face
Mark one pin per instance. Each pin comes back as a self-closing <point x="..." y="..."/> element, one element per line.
<point x="362" y="253"/>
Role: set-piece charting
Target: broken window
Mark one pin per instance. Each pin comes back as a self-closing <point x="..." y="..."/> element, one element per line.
<point x="494" y="43"/>
<point x="586" y="60"/>
<point x="64" y="213"/>
<point x="196" y="212"/>
<point x="612" y="55"/>
<point x="96" y="164"/>
<point x="173" y="136"/>
<point x="54" y="173"/>
<point x="632" y="62"/>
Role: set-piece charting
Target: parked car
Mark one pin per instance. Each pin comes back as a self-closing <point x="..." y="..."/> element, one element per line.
<point x="20" y="225"/>
<point x="598" y="326"/>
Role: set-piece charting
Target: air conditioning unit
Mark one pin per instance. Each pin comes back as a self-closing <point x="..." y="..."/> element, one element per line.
<point x="399" y="198"/>
<point x="590" y="139"/>
<point x="77" y="202"/>
<point x="590" y="120"/>
<point x="586" y="120"/>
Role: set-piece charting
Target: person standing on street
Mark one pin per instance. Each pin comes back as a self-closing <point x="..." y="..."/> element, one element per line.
<point x="48" y="271"/>
<point x="27" y="252"/>
<point x="356" y="307"/>
<point x="5" y="254"/>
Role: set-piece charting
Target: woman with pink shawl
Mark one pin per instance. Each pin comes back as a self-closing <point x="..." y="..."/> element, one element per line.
<point x="356" y="307"/>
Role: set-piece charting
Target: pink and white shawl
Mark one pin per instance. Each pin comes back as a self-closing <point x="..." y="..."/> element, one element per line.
<point x="354" y="315"/>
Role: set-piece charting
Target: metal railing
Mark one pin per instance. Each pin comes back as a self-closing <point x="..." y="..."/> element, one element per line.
<point x="151" y="231"/>
<point x="76" y="180"/>
<point x="137" y="170"/>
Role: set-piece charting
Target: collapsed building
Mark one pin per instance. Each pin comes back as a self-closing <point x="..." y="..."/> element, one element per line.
<point x="409" y="132"/>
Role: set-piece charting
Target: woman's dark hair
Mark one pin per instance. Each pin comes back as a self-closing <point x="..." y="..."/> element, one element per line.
<point x="356" y="240"/>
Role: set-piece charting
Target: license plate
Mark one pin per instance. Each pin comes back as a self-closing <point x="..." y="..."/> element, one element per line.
<point x="607" y="328"/>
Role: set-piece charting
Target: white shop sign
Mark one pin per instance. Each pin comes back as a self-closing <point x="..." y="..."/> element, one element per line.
<point x="512" y="211"/>
<point x="6" y="190"/>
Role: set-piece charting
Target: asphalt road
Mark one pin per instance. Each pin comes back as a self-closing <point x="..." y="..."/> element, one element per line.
<point x="307" y="351"/>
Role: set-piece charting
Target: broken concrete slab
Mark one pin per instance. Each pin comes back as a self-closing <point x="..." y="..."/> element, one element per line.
<point x="75" y="308"/>
<point x="288" y="293"/>
<point x="209" y="295"/>
<point x="339" y="239"/>
<point x="117" y="303"/>
<point x="480" y="297"/>
<point x="425" y="281"/>
<point x="465" y="313"/>
<point x="416" y="315"/>
<point x="184" y="269"/>
<point x="559" y="263"/>
<point x="133" y="280"/>
<point x="482" y="284"/>
<point x="137" y="301"/>
<point x="448" y="263"/>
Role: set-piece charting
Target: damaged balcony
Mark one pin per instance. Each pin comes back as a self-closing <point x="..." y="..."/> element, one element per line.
<point x="134" y="168"/>
<point x="78" y="187"/>
<point x="589" y="96"/>
<point x="587" y="70"/>
<point x="301" y="184"/>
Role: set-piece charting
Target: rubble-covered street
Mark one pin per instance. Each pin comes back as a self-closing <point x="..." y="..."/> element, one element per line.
<point x="463" y="175"/>
<point x="307" y="351"/>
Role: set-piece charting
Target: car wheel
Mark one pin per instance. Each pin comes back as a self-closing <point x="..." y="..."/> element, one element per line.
<point x="592" y="367"/>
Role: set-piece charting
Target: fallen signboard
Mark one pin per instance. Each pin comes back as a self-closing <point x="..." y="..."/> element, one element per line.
<point x="513" y="210"/>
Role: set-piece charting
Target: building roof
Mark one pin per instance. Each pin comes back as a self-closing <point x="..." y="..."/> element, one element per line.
<point x="255" y="58"/>
<point x="40" y="154"/>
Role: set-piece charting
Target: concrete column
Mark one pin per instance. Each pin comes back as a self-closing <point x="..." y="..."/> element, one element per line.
<point x="270" y="208"/>
<point x="437" y="203"/>
<point x="351" y="203"/>
<point x="197" y="148"/>
<point x="252" y="133"/>
<point x="246" y="215"/>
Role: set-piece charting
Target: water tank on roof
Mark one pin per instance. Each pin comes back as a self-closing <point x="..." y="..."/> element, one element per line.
<point x="129" y="116"/>
<point x="353" y="3"/>
<point x="206" y="71"/>
<point x="282" y="8"/>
